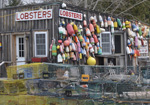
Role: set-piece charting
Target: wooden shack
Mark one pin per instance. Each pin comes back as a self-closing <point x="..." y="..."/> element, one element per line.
<point x="20" y="32"/>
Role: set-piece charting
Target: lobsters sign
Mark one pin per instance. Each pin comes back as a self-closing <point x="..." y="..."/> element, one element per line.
<point x="70" y="14"/>
<point x="34" y="15"/>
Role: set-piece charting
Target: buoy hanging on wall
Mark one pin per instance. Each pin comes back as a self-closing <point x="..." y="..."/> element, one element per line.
<point x="91" y="61"/>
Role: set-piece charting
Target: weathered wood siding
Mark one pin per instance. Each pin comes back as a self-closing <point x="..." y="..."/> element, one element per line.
<point x="9" y="26"/>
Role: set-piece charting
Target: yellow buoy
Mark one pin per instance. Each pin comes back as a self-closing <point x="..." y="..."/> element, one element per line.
<point x="91" y="61"/>
<point x="58" y="46"/>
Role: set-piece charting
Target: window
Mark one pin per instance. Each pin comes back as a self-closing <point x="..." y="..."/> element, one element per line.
<point x="106" y="43"/>
<point x="117" y="43"/>
<point x="40" y="44"/>
<point x="21" y="47"/>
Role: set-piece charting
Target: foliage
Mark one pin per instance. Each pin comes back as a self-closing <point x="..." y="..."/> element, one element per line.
<point x="140" y="12"/>
<point x="14" y="2"/>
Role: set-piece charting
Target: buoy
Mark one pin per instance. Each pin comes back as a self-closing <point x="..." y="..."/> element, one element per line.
<point x="76" y="39"/>
<point x="70" y="39"/>
<point x="85" y="38"/>
<point x="109" y="21"/>
<point x="88" y="33"/>
<point x="97" y="29"/>
<point x="58" y="47"/>
<point x="75" y="28"/>
<point x="76" y="47"/>
<point x="131" y="50"/>
<point x="84" y="51"/>
<point x="95" y="38"/>
<point x="112" y="19"/>
<point x="73" y="47"/>
<point x="102" y="29"/>
<point x="88" y="40"/>
<point x="68" y="55"/>
<point x="101" y="21"/>
<point x="136" y="41"/>
<point x="92" y="40"/>
<point x="99" y="51"/>
<point x="84" y="23"/>
<point x="139" y="44"/>
<point x="71" y="55"/>
<point x="66" y="43"/>
<point x="142" y="42"/>
<point x="63" y="23"/>
<point x="134" y="27"/>
<point x="127" y="24"/>
<point x="61" y="30"/>
<point x="70" y="29"/>
<point x="83" y="42"/>
<point x="64" y="32"/>
<point x="95" y="18"/>
<point x="91" y="61"/>
<point x="59" y="41"/>
<point x="80" y="55"/>
<point x="140" y="31"/>
<point x="91" y="27"/>
<point x="79" y="47"/>
<point x="70" y="47"/>
<point x="87" y="46"/>
<point x="127" y="49"/>
<point x="112" y="27"/>
<point x="67" y="49"/>
<point x="80" y="38"/>
<point x="105" y="23"/>
<point x="95" y="50"/>
<point x="59" y="58"/>
<point x="119" y="22"/>
<point x="54" y="50"/>
<point x="100" y="18"/>
<point x="74" y="57"/>
<point x="129" y="42"/>
<point x="123" y="26"/>
<point x="91" y="48"/>
<point x="63" y="57"/>
<point x="61" y="49"/>
<point x="115" y="24"/>
<point x="50" y="48"/>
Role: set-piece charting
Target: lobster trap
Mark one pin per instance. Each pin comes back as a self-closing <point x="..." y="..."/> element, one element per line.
<point x="63" y="72"/>
<point x="28" y="71"/>
<point x="12" y="87"/>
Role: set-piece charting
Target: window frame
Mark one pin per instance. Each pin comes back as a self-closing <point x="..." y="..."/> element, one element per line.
<point x="35" y="44"/>
<point x="122" y="43"/>
<point x="110" y="52"/>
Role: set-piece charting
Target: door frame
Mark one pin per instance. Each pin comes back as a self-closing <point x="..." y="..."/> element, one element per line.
<point x="13" y="47"/>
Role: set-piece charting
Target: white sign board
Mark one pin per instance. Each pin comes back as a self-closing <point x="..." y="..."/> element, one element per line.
<point x="34" y="15"/>
<point x="143" y="49"/>
<point x="70" y="14"/>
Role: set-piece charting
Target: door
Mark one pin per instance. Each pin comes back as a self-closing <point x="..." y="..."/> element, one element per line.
<point x="20" y="52"/>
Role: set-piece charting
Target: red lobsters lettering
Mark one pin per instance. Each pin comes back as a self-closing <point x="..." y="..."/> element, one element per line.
<point x="22" y="16"/>
<point x="31" y="15"/>
<point x="26" y="16"/>
<point x="44" y="14"/>
<point x="39" y="14"/>
<point x="34" y="15"/>
<point x="17" y="17"/>
<point x="70" y="14"/>
<point x="49" y="14"/>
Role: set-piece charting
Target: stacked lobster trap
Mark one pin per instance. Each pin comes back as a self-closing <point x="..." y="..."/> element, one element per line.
<point x="75" y="82"/>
